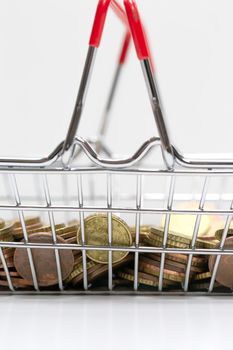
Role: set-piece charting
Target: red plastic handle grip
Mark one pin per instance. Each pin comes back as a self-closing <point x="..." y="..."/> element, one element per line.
<point x="119" y="11"/>
<point x="99" y="21"/>
<point x="137" y="30"/>
<point x="125" y="48"/>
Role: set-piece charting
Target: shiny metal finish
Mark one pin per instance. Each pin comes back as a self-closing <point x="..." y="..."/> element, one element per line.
<point x="80" y="99"/>
<point x="158" y="115"/>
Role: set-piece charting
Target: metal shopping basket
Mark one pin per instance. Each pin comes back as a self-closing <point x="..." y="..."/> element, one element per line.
<point x="179" y="180"/>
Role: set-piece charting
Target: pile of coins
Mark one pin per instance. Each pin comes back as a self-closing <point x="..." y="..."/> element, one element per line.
<point x="98" y="232"/>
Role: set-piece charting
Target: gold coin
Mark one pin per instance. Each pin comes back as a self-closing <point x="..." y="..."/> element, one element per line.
<point x="28" y="221"/>
<point x="158" y="242"/>
<point x="206" y="244"/>
<point x="78" y="270"/>
<point x="184" y="224"/>
<point x="143" y="278"/>
<point x="6" y="233"/>
<point x="171" y="235"/>
<point x="202" y="276"/>
<point x="48" y="228"/>
<point x="96" y="234"/>
<point x="219" y="233"/>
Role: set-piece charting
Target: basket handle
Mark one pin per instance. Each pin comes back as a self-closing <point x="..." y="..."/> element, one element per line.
<point x="94" y="42"/>
<point x="143" y="53"/>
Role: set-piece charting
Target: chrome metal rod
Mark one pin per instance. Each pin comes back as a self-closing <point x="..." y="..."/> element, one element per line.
<point x="142" y="249"/>
<point x="53" y="229"/>
<point x="6" y="270"/>
<point x="137" y="228"/>
<point x="221" y="245"/>
<point x="158" y="114"/>
<point x="80" y="99"/>
<point x="166" y="230"/>
<point x="25" y="235"/>
<point x="195" y="232"/>
<point x="109" y="204"/>
<point x="108" y="106"/>
<point x="82" y="230"/>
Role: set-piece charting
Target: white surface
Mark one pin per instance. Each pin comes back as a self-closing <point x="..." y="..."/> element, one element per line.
<point x="115" y="323"/>
<point x="43" y="46"/>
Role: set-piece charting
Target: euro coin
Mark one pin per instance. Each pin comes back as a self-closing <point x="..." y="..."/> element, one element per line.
<point x="202" y="276"/>
<point x="44" y="261"/>
<point x="96" y="234"/>
<point x="143" y="278"/>
<point x="175" y="265"/>
<point x="150" y="266"/>
<point x="171" y="236"/>
<point x="158" y="242"/>
<point x="219" y="233"/>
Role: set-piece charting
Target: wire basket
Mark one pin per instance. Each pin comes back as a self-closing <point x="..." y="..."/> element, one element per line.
<point x="66" y="186"/>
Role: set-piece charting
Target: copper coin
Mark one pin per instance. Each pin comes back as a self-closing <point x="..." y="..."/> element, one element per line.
<point x="175" y="265"/>
<point x="149" y="266"/>
<point x="224" y="274"/>
<point x="28" y="221"/>
<point x="17" y="283"/>
<point x="44" y="261"/>
<point x="169" y="266"/>
<point x="99" y="270"/>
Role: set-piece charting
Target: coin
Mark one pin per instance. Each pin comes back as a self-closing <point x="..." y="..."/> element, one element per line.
<point x="200" y="243"/>
<point x="48" y="228"/>
<point x="6" y="233"/>
<point x="94" y="270"/>
<point x="96" y="233"/>
<point x="28" y="221"/>
<point x="219" y="233"/>
<point x="144" y="230"/>
<point x="17" y="283"/>
<point x="177" y="266"/>
<point x="184" y="224"/>
<point x="149" y="266"/>
<point x="44" y="261"/>
<point x="143" y="278"/>
<point x="198" y="261"/>
<point x="224" y="274"/>
<point x="18" y="232"/>
<point x="158" y="242"/>
<point x="202" y="276"/>
<point x="173" y="236"/>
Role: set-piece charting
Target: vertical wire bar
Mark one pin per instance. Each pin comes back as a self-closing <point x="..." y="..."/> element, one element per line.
<point x="53" y="229"/>
<point x="166" y="230"/>
<point x="6" y="270"/>
<point x="65" y="195"/>
<point x="82" y="229"/>
<point x="195" y="232"/>
<point x="109" y="205"/>
<point x="137" y="228"/>
<point x="25" y="234"/>
<point x="221" y="245"/>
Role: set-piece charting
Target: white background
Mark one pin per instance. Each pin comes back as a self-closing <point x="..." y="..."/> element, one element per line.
<point x="43" y="46"/>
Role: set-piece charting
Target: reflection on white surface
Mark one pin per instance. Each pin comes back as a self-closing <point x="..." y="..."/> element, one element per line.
<point x="115" y="322"/>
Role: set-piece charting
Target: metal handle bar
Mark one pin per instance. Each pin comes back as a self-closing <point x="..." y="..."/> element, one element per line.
<point x="53" y="158"/>
<point x="143" y="54"/>
<point x="94" y="42"/>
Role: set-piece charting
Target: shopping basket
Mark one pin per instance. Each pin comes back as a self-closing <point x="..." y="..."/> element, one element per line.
<point x="124" y="190"/>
